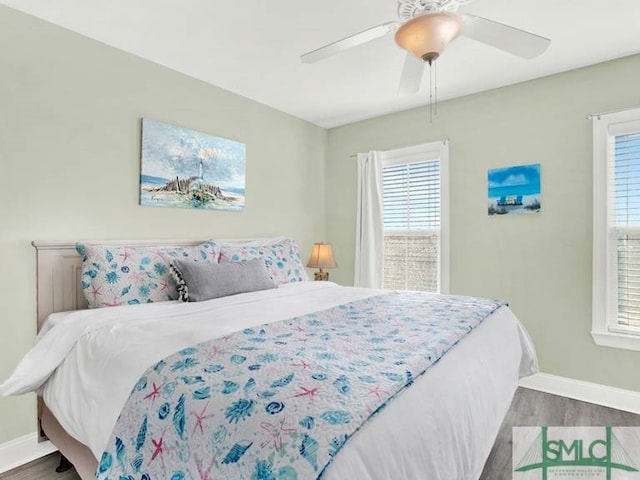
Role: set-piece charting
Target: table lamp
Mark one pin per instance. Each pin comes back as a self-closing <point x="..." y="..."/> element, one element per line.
<point x="321" y="257"/>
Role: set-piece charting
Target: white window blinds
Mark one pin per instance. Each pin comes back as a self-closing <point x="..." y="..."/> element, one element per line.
<point x="623" y="154"/>
<point x="411" y="223"/>
<point x="616" y="229"/>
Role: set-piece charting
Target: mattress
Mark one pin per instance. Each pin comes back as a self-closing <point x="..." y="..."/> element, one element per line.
<point x="445" y="424"/>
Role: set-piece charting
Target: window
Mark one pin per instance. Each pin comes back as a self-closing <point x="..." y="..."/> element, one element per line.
<point x="616" y="239"/>
<point x="415" y="224"/>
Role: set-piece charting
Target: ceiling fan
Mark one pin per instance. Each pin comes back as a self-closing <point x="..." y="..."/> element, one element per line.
<point x="425" y="27"/>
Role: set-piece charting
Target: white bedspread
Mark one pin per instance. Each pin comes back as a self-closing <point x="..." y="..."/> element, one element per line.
<point x="84" y="366"/>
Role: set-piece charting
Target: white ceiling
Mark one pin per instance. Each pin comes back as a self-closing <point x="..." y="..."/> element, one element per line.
<point x="252" y="47"/>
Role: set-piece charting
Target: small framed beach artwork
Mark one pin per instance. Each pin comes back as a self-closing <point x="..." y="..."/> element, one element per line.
<point x="183" y="168"/>
<point x="514" y="190"/>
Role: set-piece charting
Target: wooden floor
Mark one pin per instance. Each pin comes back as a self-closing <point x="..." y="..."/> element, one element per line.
<point x="41" y="469"/>
<point x="529" y="408"/>
<point x="537" y="409"/>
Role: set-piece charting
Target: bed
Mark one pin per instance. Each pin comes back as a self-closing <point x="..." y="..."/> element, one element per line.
<point x="440" y="424"/>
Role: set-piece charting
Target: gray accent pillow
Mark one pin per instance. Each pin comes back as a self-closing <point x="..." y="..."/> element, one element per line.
<point x="204" y="281"/>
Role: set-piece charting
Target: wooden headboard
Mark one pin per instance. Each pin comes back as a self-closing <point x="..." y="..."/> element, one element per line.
<point x="58" y="268"/>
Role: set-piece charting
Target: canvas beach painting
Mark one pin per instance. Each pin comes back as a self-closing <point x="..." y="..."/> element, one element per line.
<point x="188" y="169"/>
<point x="514" y="190"/>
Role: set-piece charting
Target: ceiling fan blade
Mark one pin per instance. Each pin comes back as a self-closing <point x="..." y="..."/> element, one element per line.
<point x="412" y="74"/>
<point x="504" y="37"/>
<point x="348" y="42"/>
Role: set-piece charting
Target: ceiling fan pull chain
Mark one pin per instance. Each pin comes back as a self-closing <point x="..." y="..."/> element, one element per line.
<point x="435" y="77"/>
<point x="430" y="93"/>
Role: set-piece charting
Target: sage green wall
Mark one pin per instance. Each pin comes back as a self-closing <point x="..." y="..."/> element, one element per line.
<point x="70" y="111"/>
<point x="541" y="264"/>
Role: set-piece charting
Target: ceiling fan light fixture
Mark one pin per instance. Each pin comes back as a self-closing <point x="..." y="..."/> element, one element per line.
<point x="427" y="35"/>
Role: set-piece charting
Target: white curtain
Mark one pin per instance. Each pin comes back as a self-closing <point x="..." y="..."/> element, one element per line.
<point x="369" y="236"/>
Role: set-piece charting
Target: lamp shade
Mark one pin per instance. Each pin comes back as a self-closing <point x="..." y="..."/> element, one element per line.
<point x="427" y="35"/>
<point x="321" y="256"/>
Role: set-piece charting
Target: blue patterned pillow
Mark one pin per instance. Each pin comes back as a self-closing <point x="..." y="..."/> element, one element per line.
<point x="281" y="256"/>
<point x="118" y="275"/>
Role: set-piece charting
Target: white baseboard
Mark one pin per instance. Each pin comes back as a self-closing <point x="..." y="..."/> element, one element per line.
<point x="618" y="398"/>
<point x="22" y="450"/>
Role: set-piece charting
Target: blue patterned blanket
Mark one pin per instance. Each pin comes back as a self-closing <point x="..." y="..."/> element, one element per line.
<point x="277" y="402"/>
